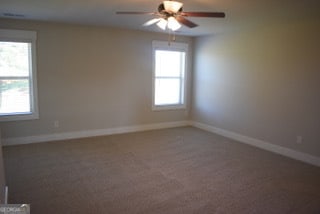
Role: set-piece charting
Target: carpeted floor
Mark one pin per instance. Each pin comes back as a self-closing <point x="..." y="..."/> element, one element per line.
<point x="180" y="170"/>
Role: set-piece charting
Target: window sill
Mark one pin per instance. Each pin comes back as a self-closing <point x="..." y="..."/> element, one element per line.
<point x="168" y="107"/>
<point x="18" y="117"/>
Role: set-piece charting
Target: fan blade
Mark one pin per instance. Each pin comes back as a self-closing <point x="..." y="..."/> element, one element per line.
<point x="136" y="13"/>
<point x="151" y="22"/>
<point x="204" y="14"/>
<point x="186" y="22"/>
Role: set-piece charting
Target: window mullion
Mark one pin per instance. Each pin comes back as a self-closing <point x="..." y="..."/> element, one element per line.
<point x="166" y="77"/>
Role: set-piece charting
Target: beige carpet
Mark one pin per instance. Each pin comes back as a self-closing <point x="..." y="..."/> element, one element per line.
<point x="180" y="170"/>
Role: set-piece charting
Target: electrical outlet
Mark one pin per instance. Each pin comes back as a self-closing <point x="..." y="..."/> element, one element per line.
<point x="299" y="139"/>
<point x="56" y="124"/>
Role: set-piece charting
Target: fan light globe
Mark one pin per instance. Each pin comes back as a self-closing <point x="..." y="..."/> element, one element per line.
<point x="162" y="24"/>
<point x="172" y="6"/>
<point x="173" y="24"/>
<point x="151" y="22"/>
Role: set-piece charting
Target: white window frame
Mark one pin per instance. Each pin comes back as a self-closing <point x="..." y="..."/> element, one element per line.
<point x="27" y="37"/>
<point x="172" y="46"/>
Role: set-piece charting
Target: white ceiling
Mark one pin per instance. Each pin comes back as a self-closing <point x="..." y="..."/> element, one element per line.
<point x="102" y="12"/>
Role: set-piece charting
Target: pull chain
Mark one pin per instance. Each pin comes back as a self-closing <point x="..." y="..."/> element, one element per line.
<point x="171" y="36"/>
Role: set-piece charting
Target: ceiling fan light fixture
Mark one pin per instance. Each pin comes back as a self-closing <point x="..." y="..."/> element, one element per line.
<point x="162" y="24"/>
<point x="172" y="6"/>
<point x="171" y="16"/>
<point x="173" y="24"/>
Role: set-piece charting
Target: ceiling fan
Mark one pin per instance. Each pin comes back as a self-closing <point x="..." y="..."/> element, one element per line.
<point x="170" y="15"/>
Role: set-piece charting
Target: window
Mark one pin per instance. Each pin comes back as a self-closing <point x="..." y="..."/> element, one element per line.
<point x="18" y="94"/>
<point x="169" y="75"/>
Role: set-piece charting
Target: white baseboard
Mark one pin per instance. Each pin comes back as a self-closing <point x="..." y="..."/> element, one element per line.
<point x="91" y="133"/>
<point x="307" y="158"/>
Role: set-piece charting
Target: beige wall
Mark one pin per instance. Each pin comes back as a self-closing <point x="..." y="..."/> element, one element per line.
<point x="91" y="78"/>
<point x="262" y="81"/>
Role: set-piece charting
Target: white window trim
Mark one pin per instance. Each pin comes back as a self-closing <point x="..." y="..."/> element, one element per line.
<point x="172" y="46"/>
<point x="24" y="36"/>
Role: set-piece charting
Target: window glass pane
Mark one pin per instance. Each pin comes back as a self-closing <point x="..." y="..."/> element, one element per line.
<point x="14" y="96"/>
<point x="169" y="63"/>
<point x="14" y="59"/>
<point x="167" y="91"/>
